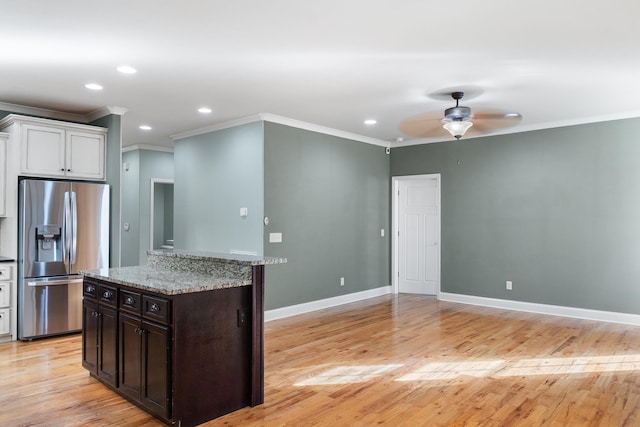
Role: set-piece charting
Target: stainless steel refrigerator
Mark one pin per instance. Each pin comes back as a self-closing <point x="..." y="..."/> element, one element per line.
<point x="63" y="228"/>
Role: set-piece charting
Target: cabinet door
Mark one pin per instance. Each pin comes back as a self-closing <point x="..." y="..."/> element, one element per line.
<point x="85" y="154"/>
<point x="156" y="365"/>
<point x="5" y="294"/>
<point x="90" y="336"/>
<point x="108" y="345"/>
<point x="130" y="355"/>
<point x="43" y="150"/>
<point x="5" y="321"/>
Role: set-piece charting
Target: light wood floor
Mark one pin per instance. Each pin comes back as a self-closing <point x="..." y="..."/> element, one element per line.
<point x="397" y="361"/>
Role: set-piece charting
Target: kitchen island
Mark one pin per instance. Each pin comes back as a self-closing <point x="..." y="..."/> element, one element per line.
<point x="181" y="337"/>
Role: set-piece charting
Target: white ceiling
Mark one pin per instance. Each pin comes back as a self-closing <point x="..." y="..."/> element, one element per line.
<point x="332" y="63"/>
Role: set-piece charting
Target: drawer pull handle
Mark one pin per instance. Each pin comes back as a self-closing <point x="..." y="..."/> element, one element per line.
<point x="90" y="289"/>
<point x="155" y="307"/>
<point x="130" y="300"/>
<point x="107" y="294"/>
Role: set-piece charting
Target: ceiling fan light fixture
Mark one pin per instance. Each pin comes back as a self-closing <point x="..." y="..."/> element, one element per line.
<point x="457" y="128"/>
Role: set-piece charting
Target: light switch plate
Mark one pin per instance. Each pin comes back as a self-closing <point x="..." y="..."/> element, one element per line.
<point x="275" y="237"/>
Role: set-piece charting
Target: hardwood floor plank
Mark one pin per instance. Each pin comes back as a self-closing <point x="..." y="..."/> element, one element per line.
<point x="400" y="361"/>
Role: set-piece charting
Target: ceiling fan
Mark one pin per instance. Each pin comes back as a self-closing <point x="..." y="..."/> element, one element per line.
<point x="458" y="120"/>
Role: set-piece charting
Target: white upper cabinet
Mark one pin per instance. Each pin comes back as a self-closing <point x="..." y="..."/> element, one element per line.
<point x="42" y="150"/>
<point x="50" y="148"/>
<point x="85" y="155"/>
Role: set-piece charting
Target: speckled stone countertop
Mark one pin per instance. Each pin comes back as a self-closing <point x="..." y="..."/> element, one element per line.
<point x="218" y="257"/>
<point x="173" y="272"/>
<point x="167" y="282"/>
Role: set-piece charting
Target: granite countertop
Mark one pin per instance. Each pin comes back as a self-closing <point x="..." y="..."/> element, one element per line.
<point x="176" y="271"/>
<point x="168" y="282"/>
<point x="218" y="257"/>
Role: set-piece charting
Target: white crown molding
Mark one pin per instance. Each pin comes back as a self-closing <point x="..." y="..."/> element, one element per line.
<point x="217" y="126"/>
<point x="13" y="117"/>
<point x="41" y="112"/>
<point x="267" y="117"/>
<point x="526" y="128"/>
<point x="294" y="310"/>
<point x="105" y="111"/>
<point x="59" y="115"/>
<point x="322" y="129"/>
<point x="148" y="147"/>
<point x="554" y="310"/>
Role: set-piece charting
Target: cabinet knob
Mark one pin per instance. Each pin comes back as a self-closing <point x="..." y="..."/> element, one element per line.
<point x="68" y="170"/>
<point x="62" y="170"/>
<point x="90" y="288"/>
<point x="130" y="300"/>
<point x="155" y="307"/>
<point x="107" y="294"/>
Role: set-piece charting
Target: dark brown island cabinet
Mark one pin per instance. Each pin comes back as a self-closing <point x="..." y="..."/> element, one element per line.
<point x="186" y="353"/>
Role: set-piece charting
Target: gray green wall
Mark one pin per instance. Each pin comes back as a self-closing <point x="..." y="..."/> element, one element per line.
<point x="556" y="211"/>
<point x="216" y="174"/>
<point x="329" y="197"/>
<point x="113" y="123"/>
<point x="131" y="208"/>
<point x="136" y="199"/>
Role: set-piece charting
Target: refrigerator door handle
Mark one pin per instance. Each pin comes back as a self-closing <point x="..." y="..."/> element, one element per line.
<point x="53" y="282"/>
<point x="67" y="231"/>
<point x="74" y="227"/>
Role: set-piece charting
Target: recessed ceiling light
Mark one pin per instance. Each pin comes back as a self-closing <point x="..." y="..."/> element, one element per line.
<point x="370" y="122"/>
<point x="93" y="86"/>
<point x="204" y="110"/>
<point x="127" y="69"/>
<point x="145" y="127"/>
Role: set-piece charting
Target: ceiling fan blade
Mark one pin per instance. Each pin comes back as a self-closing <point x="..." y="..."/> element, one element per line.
<point x="423" y="125"/>
<point x="487" y="120"/>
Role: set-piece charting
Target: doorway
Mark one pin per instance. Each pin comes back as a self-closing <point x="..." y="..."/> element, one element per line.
<point x="161" y="214"/>
<point x="416" y="236"/>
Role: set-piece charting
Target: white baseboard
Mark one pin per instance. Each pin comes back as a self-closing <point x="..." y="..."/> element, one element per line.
<point x="292" y="310"/>
<point x="555" y="310"/>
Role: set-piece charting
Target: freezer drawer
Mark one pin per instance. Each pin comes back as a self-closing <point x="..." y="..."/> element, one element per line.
<point x="50" y="306"/>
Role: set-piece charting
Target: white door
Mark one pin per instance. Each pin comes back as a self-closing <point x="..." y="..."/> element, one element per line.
<point x="418" y="234"/>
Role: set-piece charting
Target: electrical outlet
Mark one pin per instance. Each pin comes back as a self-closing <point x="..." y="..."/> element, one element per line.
<point x="342" y="281"/>
<point x="509" y="285"/>
<point x="243" y="317"/>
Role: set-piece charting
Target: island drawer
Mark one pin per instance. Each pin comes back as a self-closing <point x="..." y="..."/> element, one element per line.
<point x="158" y="309"/>
<point x="130" y="301"/>
<point x="90" y="289"/>
<point x="108" y="294"/>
